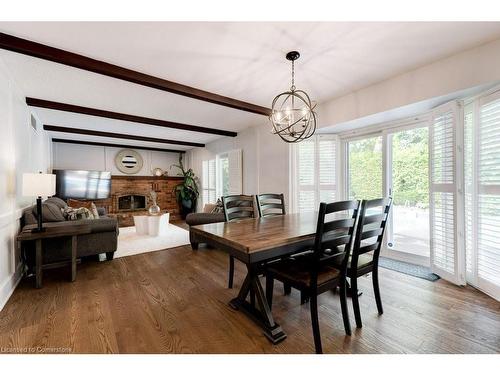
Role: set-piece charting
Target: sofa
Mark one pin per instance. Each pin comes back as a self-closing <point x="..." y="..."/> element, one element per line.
<point x="102" y="239"/>
<point x="205" y="217"/>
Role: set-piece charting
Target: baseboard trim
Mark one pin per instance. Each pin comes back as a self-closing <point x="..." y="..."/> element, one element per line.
<point x="10" y="285"/>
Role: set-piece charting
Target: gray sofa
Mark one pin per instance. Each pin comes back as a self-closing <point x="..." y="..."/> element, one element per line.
<point x="199" y="218"/>
<point x="102" y="239"/>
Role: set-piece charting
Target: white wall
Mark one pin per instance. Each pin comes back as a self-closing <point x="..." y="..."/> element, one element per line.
<point x="265" y="159"/>
<point x="470" y="68"/>
<point x="22" y="149"/>
<point x="73" y="156"/>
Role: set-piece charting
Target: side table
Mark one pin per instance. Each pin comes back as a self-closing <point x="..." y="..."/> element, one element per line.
<point x="53" y="232"/>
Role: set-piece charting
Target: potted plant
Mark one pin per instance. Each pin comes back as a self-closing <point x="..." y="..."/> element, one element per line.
<point x="186" y="192"/>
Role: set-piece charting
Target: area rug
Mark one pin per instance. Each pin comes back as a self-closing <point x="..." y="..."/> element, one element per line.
<point x="408" y="268"/>
<point x="130" y="243"/>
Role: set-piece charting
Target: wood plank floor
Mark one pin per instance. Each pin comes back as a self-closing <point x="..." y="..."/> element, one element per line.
<point x="176" y="301"/>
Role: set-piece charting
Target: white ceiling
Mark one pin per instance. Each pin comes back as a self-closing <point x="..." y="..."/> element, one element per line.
<point x="240" y="60"/>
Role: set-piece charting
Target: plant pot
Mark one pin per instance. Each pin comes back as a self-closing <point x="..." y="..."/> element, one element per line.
<point x="187" y="206"/>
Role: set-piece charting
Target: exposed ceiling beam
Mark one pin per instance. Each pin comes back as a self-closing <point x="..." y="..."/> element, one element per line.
<point x="61" y="129"/>
<point x="42" y="51"/>
<point x="73" y="141"/>
<point x="40" y="103"/>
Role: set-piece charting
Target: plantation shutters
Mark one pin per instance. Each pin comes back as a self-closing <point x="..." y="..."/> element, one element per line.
<point x="235" y="172"/>
<point x="447" y="251"/>
<point x="327" y="151"/>
<point x="482" y="160"/>
<point x="208" y="181"/>
<point x="316" y="172"/>
<point x="306" y="163"/>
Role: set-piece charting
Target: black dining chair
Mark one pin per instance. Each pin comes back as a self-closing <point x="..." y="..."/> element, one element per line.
<point x="237" y="207"/>
<point x="316" y="271"/>
<point x="271" y="204"/>
<point x="366" y="249"/>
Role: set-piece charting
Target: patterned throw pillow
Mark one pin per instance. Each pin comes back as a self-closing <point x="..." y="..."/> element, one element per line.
<point x="219" y="208"/>
<point x="86" y="204"/>
<point x="81" y="213"/>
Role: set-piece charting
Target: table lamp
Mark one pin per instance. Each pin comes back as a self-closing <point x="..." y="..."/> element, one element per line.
<point x="39" y="185"/>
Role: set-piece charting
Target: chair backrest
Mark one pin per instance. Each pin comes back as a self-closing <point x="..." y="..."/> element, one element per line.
<point x="270" y="204"/>
<point x="335" y="228"/>
<point x="372" y="222"/>
<point x="238" y="207"/>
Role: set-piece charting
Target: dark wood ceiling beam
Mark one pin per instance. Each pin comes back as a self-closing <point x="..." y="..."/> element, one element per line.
<point x="61" y="129"/>
<point x="40" y="103"/>
<point x="121" y="145"/>
<point x="42" y="51"/>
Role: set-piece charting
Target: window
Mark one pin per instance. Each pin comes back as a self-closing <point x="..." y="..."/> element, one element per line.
<point x="315" y="178"/>
<point x="482" y="193"/>
<point x="208" y="182"/>
<point x="222" y="176"/>
<point x="223" y="172"/>
<point x="365" y="168"/>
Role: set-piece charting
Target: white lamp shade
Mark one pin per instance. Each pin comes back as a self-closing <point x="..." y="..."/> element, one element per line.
<point x="39" y="184"/>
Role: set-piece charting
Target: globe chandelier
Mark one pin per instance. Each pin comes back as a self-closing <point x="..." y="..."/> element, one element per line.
<point x="292" y="112"/>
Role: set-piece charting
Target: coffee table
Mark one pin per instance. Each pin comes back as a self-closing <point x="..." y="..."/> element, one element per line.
<point x="152" y="225"/>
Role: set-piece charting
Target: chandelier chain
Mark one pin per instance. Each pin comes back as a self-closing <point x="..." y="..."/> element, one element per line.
<point x="293" y="76"/>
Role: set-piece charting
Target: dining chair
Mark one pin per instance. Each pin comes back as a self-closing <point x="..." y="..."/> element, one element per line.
<point x="237" y="207"/>
<point x="270" y="204"/>
<point x="316" y="271"/>
<point x="366" y="249"/>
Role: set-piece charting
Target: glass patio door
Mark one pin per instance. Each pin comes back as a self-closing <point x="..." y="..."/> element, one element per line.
<point x="408" y="234"/>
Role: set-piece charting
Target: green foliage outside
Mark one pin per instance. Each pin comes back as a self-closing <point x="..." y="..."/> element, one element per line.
<point x="409" y="168"/>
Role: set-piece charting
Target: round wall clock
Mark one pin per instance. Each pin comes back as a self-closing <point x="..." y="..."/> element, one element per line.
<point x="128" y="161"/>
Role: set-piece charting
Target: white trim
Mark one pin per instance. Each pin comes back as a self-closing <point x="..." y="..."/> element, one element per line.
<point x="369" y="130"/>
<point x="10" y="285"/>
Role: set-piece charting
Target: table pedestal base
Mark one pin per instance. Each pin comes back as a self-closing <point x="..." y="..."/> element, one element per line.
<point x="262" y="315"/>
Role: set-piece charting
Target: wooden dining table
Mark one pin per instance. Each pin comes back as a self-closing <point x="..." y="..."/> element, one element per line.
<point x="256" y="242"/>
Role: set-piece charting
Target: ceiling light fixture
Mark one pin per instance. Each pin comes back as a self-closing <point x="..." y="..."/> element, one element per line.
<point x="292" y="114"/>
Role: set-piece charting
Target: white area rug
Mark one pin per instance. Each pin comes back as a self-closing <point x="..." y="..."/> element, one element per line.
<point x="130" y="243"/>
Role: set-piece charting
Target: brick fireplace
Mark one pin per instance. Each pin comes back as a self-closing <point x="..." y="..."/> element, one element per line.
<point x="130" y="196"/>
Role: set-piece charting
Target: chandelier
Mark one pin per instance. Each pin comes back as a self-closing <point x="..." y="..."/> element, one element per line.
<point x="292" y="114"/>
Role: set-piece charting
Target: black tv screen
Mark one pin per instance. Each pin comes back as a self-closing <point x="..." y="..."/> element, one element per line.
<point x="82" y="184"/>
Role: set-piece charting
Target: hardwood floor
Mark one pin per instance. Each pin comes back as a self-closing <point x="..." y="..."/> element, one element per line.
<point x="176" y="301"/>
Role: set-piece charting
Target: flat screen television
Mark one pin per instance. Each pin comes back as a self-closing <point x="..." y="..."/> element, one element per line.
<point x="82" y="184"/>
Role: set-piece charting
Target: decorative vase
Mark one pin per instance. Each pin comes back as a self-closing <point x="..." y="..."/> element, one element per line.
<point x="154" y="209"/>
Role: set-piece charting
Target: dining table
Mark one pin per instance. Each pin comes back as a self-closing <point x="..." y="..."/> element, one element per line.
<point x="255" y="242"/>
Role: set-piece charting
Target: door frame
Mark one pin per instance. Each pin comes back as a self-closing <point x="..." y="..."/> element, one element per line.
<point x="387" y="186"/>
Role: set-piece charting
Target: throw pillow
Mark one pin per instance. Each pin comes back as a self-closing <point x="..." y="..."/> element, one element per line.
<point x="94" y="211"/>
<point x="57" y="201"/>
<point x="82" y="213"/>
<point x="219" y="207"/>
<point x="85" y="204"/>
<point x="50" y="212"/>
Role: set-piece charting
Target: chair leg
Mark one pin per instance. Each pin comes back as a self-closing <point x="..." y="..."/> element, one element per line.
<point x="355" y="301"/>
<point x="315" y="323"/>
<point x="231" y="272"/>
<point x="343" y="306"/>
<point x="304" y="297"/>
<point x="269" y="291"/>
<point x="252" y="297"/>
<point x="287" y="289"/>
<point x="376" y="291"/>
